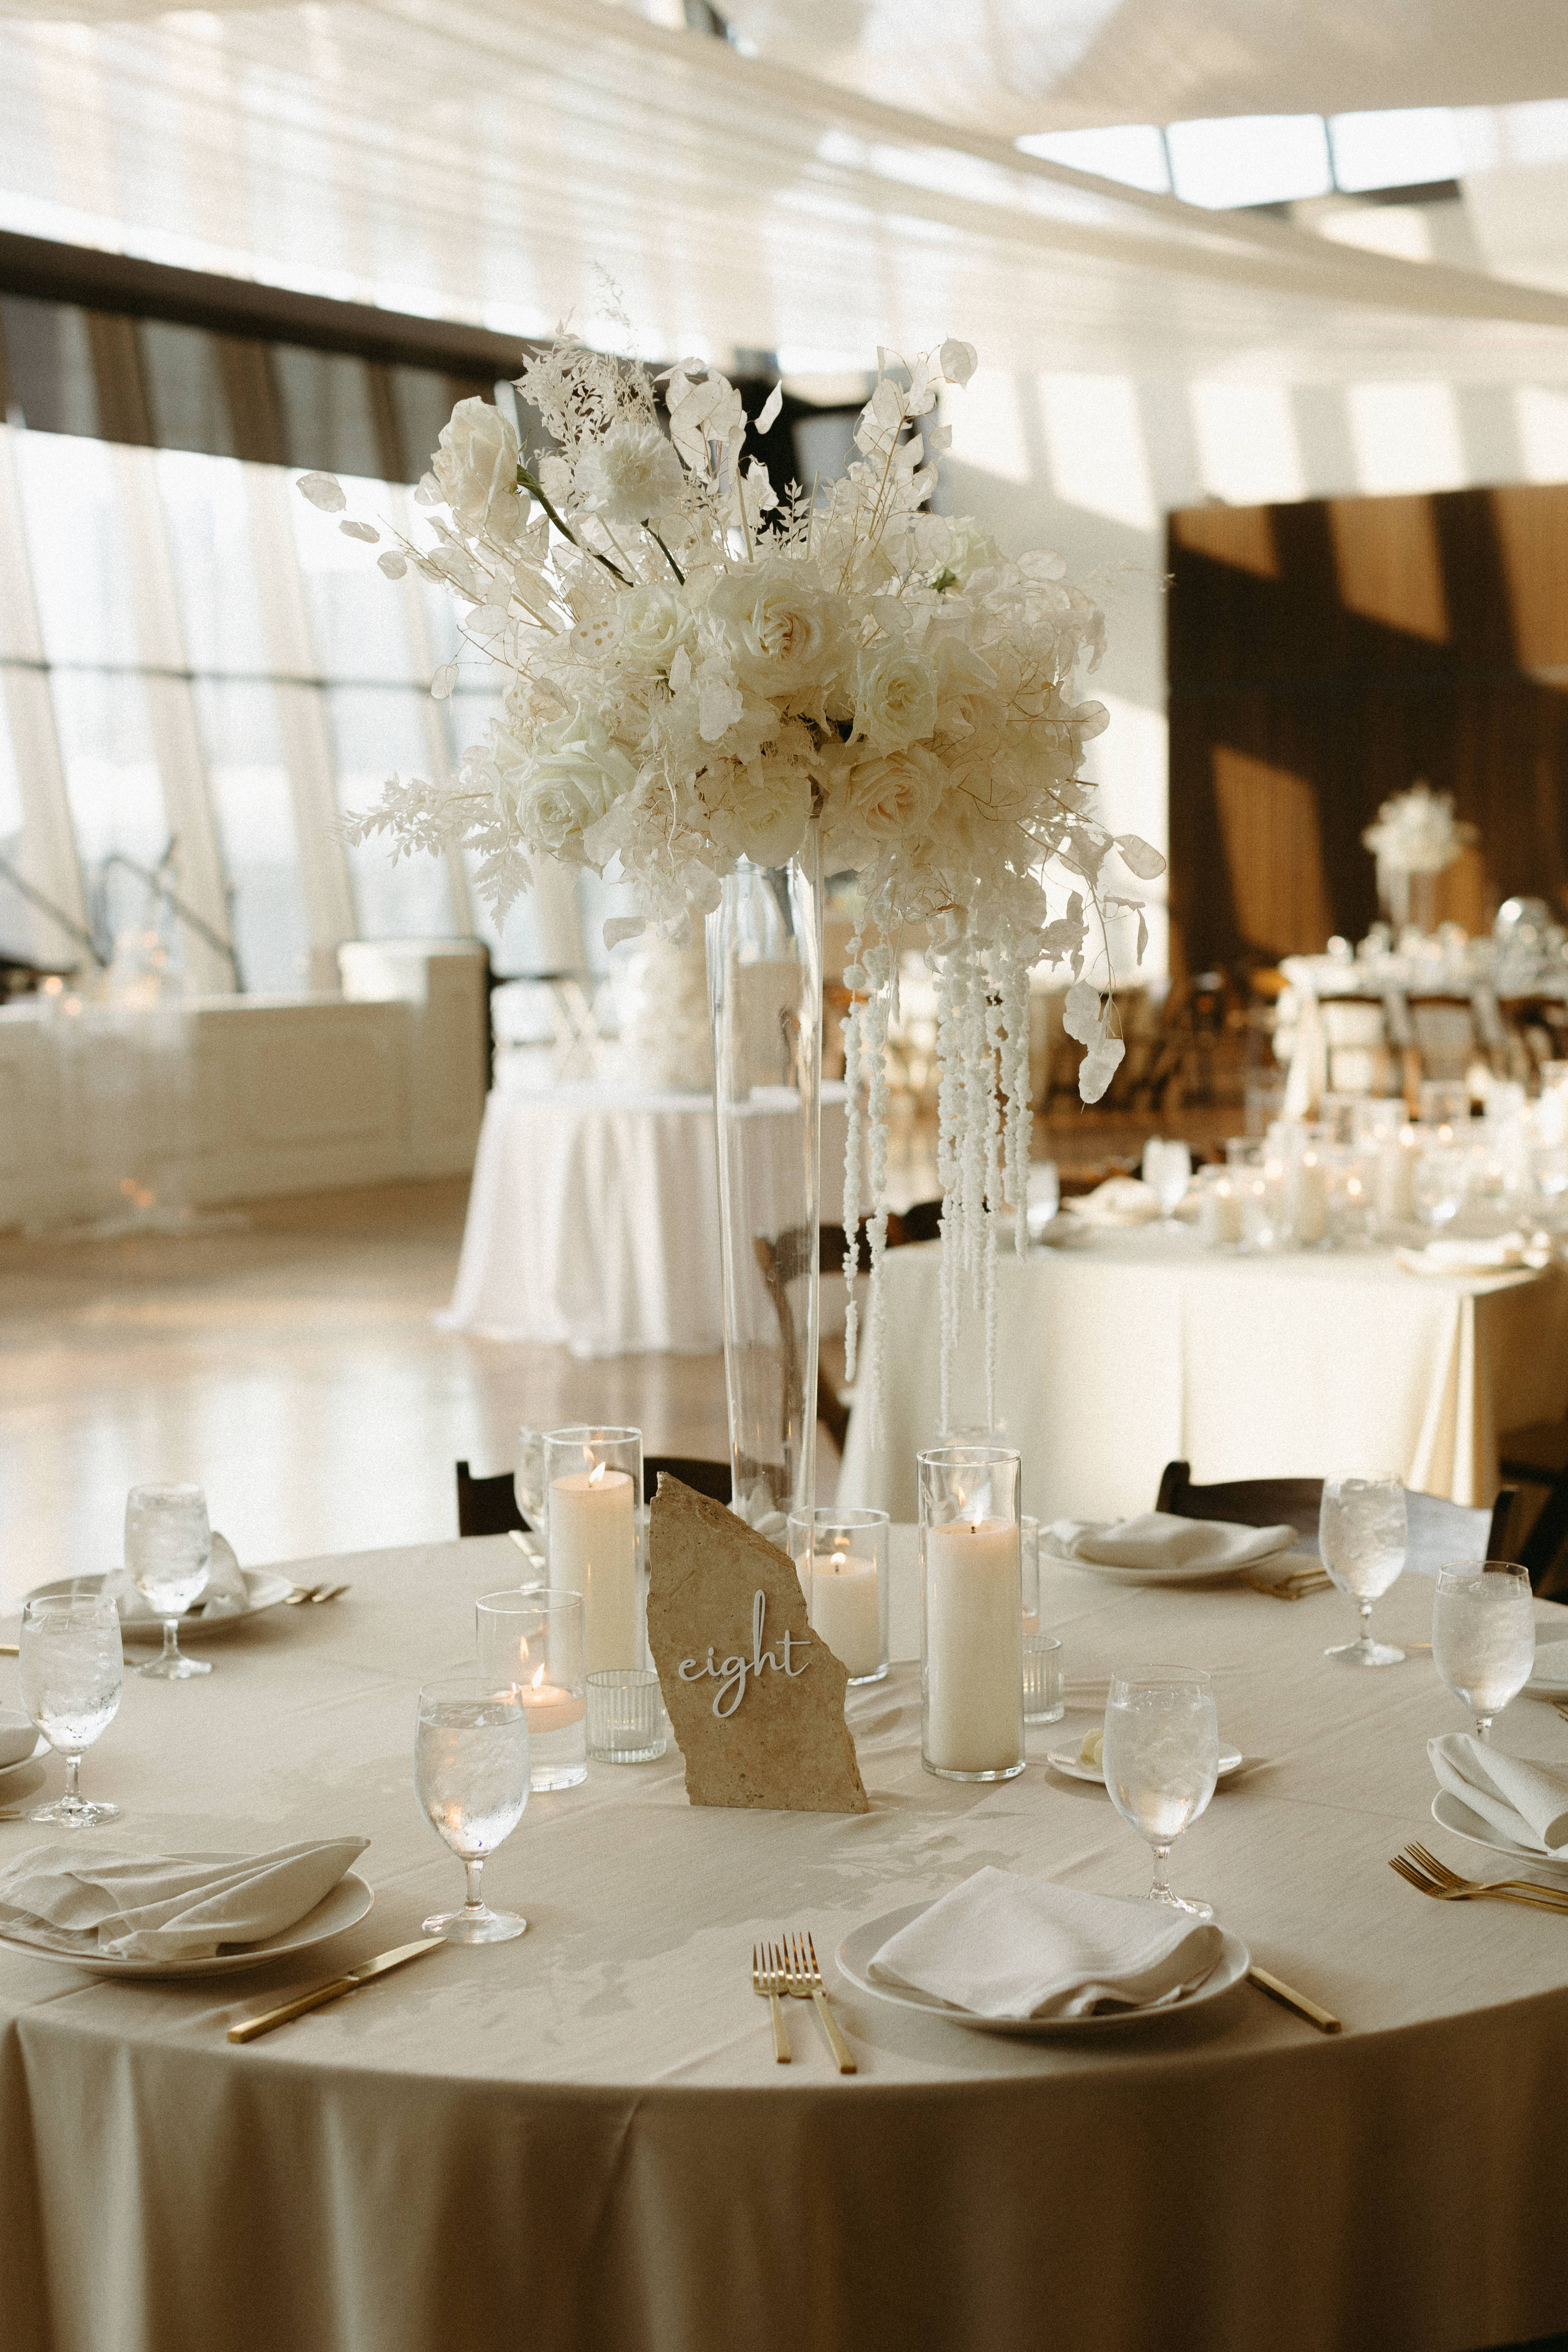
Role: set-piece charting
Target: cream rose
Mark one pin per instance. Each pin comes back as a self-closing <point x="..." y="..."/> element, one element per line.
<point x="655" y="623"/>
<point x="571" y="779"/>
<point x="769" y="805"/>
<point x="476" y="465"/>
<point x="892" y="795"/>
<point x="632" y="474"/>
<point x="776" y="628"/>
<point x="895" y="697"/>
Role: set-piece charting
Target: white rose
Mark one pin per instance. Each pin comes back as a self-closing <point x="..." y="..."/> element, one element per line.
<point x="476" y="465"/>
<point x="895" y="697"/>
<point x="892" y="795"/>
<point x="968" y="699"/>
<point x="777" y="625"/>
<point x="655" y="624"/>
<point x="632" y="474"/>
<point x="970" y="548"/>
<point x="769" y="805"/>
<point x="572" y="776"/>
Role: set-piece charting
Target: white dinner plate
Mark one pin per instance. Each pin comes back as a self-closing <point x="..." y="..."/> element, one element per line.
<point x="1453" y="1813"/>
<point x="1068" y="1760"/>
<point x="855" y="1953"/>
<point x="1549" y="1675"/>
<point x="344" y="1907"/>
<point x="1195" y="1572"/>
<point x="264" y="1589"/>
<point x="18" y="1737"/>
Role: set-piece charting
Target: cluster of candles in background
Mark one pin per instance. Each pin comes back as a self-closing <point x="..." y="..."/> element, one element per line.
<point x="1367" y="1169"/>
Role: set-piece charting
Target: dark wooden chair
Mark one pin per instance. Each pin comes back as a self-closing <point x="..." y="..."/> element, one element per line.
<point x="487" y="1506"/>
<point x="1439" y="1528"/>
<point x="1538" y="1457"/>
<point x="709" y="1478"/>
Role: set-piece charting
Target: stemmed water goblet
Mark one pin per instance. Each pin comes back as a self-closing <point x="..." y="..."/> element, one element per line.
<point x="470" y="1772"/>
<point x="1167" y="1170"/>
<point x="72" y="1671"/>
<point x="1161" y="1760"/>
<point x="1362" y="1536"/>
<point x="1483" y="1637"/>
<point x="168" y="1546"/>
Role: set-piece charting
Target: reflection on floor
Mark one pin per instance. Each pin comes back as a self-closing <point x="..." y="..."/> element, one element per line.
<point x="294" y="1370"/>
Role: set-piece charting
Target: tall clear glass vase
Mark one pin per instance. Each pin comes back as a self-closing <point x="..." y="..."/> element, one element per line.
<point x="764" y="993"/>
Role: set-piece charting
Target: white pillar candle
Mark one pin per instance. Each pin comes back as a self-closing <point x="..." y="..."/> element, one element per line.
<point x="973" y="1656"/>
<point x="841" y="1596"/>
<point x="594" y="1551"/>
<point x="1309" y="1199"/>
<point x="549" y="1709"/>
<point x="1219" y="1213"/>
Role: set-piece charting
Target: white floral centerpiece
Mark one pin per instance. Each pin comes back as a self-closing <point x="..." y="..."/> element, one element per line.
<point x="1417" y="833"/>
<point x="698" y="664"/>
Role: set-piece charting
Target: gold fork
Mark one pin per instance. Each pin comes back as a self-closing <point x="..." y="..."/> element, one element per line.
<point x="324" y="1592"/>
<point x="1291" y="1587"/>
<point x="804" y="1981"/>
<point x="1469" y="1890"/>
<point x="768" y="1979"/>
<point x="1447" y="1877"/>
<point x="300" y="1593"/>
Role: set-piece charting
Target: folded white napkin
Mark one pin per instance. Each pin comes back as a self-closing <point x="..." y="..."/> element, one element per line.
<point x="1158" y="1539"/>
<point x="1460" y="1256"/>
<point x="148" y="1906"/>
<point x="1001" y="1945"/>
<point x="1120" y="1200"/>
<point x="1527" y="1803"/>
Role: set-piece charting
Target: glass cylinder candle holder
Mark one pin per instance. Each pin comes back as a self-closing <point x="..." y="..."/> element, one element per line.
<point x="593" y="1537"/>
<point x="1221" y="1193"/>
<point x="841" y="1559"/>
<point x="1029" y="1573"/>
<point x="532" y="1641"/>
<point x="972" y="1695"/>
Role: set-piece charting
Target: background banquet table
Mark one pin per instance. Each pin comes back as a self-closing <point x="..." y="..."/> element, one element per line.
<point x="594" y="1223"/>
<point x="1121" y="1352"/>
<point x="581" y="2138"/>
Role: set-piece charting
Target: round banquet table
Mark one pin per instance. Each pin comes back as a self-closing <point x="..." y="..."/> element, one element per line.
<point x="593" y="1222"/>
<point x="1120" y="1351"/>
<point x="581" y="2138"/>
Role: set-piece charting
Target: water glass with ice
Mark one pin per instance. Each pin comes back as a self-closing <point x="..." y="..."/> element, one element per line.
<point x="168" y="1545"/>
<point x="470" y="1773"/>
<point x="1483" y="1637"/>
<point x="71" y="1673"/>
<point x="1167" y="1170"/>
<point x="1362" y="1536"/>
<point x="1161" y="1760"/>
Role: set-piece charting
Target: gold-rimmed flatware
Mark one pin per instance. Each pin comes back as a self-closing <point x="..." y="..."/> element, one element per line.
<point x="1292" y="1587"/>
<point x="1427" y="1860"/>
<point x="768" y="1980"/>
<point x="10" y="1649"/>
<point x="803" y="1981"/>
<point x="1289" y="1998"/>
<point x="383" y="1965"/>
<point x="1531" y="1893"/>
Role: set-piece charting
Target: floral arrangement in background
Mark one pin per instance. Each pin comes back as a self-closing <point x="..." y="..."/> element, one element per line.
<point x="1417" y="833"/>
<point x="698" y="664"/>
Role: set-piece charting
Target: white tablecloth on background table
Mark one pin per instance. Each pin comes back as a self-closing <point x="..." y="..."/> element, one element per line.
<point x="593" y="1222"/>
<point x="1124" y="1351"/>
<point x="580" y="2139"/>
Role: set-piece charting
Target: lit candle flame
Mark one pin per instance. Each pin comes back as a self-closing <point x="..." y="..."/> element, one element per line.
<point x="839" y="1560"/>
<point x="596" y="1476"/>
<point x="537" y="1678"/>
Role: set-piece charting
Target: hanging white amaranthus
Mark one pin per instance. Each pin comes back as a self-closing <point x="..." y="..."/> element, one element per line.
<point x="698" y="664"/>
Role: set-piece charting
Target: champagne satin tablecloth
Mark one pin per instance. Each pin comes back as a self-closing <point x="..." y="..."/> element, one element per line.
<point x="1121" y="1351"/>
<point x="582" y="2140"/>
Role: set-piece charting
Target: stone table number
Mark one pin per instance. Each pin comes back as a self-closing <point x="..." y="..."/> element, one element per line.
<point x="755" y="1699"/>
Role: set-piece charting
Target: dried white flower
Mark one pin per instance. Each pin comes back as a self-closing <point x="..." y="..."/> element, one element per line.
<point x="632" y="476"/>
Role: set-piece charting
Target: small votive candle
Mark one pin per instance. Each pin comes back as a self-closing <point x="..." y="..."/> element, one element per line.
<point x="841" y="1559"/>
<point x="1308" y="1200"/>
<point x="1219" y="1212"/>
<point x="531" y="1641"/>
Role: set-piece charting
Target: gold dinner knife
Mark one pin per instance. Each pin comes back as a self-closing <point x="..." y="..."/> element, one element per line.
<point x="1323" y="2019"/>
<point x="380" y="1967"/>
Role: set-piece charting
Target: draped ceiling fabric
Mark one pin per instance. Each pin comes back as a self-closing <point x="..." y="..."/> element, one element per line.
<point x="1065" y="65"/>
<point x="496" y="162"/>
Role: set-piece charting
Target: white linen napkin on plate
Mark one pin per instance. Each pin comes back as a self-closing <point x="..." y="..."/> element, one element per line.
<point x="1158" y="1539"/>
<point x="1527" y="1803"/>
<point x="148" y="1906"/>
<point x="1504" y="1256"/>
<point x="1120" y="1200"/>
<point x="1002" y="1945"/>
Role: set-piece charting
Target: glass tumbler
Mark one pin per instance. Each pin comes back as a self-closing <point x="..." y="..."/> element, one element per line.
<point x="625" y="1716"/>
<point x="532" y="1641"/>
<point x="594" y="1515"/>
<point x="841" y="1559"/>
<point x="972" y="1672"/>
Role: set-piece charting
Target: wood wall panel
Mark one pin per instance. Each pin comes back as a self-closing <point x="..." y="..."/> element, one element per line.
<point x="1325" y="654"/>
